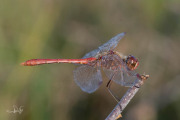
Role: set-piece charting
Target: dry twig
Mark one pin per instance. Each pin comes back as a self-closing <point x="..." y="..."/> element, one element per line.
<point x="127" y="97"/>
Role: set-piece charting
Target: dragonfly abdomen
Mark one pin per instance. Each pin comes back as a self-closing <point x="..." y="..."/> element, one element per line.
<point x="34" y="62"/>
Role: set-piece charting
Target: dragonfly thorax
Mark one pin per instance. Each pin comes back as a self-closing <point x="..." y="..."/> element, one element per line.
<point x="111" y="61"/>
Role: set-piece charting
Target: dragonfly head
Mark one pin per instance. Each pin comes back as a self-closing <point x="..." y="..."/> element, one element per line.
<point x="132" y="62"/>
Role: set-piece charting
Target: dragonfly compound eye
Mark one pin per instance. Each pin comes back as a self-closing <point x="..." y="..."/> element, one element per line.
<point x="132" y="62"/>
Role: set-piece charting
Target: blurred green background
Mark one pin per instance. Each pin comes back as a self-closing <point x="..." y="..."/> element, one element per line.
<point x="69" y="29"/>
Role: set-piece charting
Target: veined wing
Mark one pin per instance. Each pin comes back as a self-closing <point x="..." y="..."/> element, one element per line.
<point x="110" y="45"/>
<point x="121" y="76"/>
<point x="88" y="78"/>
<point x="92" y="53"/>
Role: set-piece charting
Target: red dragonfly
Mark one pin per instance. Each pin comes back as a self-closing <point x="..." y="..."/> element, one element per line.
<point x="87" y="75"/>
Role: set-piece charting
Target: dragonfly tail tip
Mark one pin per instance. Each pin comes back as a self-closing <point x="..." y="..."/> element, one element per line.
<point x="23" y="64"/>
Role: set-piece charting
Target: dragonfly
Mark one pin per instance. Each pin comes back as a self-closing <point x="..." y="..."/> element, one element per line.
<point x="117" y="67"/>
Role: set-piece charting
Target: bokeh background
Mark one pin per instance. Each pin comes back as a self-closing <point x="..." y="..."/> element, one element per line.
<point x="69" y="29"/>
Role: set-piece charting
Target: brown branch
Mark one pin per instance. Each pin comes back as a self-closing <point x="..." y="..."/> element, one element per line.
<point x="116" y="112"/>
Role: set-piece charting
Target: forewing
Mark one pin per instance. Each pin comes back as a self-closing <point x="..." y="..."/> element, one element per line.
<point x="121" y="76"/>
<point x="110" y="45"/>
<point x="88" y="78"/>
<point x="128" y="78"/>
<point x="92" y="53"/>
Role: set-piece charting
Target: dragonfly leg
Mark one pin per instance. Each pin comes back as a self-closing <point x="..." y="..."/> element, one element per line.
<point x="114" y="96"/>
<point x="110" y="91"/>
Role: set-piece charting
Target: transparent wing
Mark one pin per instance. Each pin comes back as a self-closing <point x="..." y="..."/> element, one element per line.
<point x="109" y="45"/>
<point x="121" y="76"/>
<point x="92" y="53"/>
<point x="112" y="43"/>
<point x="88" y="78"/>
